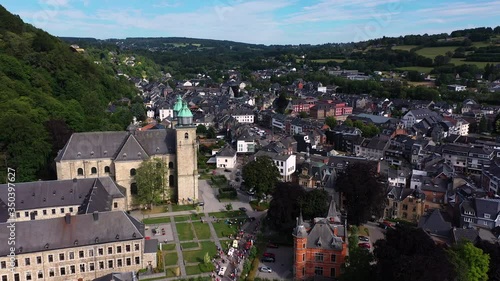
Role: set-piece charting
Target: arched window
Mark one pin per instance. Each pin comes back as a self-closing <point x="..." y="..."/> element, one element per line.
<point x="80" y="171"/>
<point x="186" y="136"/>
<point x="170" y="165"/>
<point x="93" y="170"/>
<point x="132" y="172"/>
<point x="133" y="188"/>
<point x="171" y="181"/>
<point x="107" y="170"/>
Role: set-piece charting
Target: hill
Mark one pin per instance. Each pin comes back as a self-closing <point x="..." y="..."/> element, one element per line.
<point x="48" y="92"/>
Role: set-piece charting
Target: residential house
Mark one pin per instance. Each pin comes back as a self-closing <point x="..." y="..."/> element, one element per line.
<point x="456" y="88"/>
<point x="490" y="178"/>
<point x="226" y="158"/>
<point x="480" y="212"/>
<point x="286" y="163"/>
<point x="436" y="226"/>
<point x="414" y="116"/>
<point x="245" y="143"/>
<point x="336" y="109"/>
<point x="373" y="148"/>
<point x="243" y="115"/>
<point x="320" y="247"/>
<point x="405" y="203"/>
<point x="466" y="158"/>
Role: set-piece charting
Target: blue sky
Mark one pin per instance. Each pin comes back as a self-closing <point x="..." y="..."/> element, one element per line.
<point x="255" y="21"/>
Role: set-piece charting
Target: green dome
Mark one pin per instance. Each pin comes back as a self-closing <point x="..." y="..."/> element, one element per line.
<point x="178" y="104"/>
<point x="184" y="112"/>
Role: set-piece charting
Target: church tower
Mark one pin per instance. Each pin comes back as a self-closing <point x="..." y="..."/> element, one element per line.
<point x="300" y="249"/>
<point x="186" y="156"/>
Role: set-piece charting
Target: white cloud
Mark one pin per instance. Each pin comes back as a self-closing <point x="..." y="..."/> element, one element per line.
<point x="54" y="3"/>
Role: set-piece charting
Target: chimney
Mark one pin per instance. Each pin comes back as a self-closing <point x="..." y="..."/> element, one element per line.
<point x="67" y="218"/>
<point x="96" y="215"/>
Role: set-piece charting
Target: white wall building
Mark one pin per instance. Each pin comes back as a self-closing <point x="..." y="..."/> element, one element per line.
<point x="226" y="158"/>
<point x="166" y="112"/>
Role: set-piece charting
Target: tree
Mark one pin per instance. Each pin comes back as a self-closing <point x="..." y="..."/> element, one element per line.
<point x="206" y="258"/>
<point x="138" y="111"/>
<point x="493" y="250"/>
<point x="201" y="129"/>
<point x="483" y="124"/>
<point x="410" y="254"/>
<point x="331" y="122"/>
<point x="261" y="175"/>
<point x="151" y="182"/>
<point x="471" y="263"/>
<point x="229" y="207"/>
<point x="364" y="194"/>
<point x="303" y="114"/>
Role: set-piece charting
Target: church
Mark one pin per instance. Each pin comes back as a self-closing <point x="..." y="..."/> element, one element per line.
<point x="119" y="154"/>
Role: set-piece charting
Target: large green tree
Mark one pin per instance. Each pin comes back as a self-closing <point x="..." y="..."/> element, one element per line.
<point x="151" y="180"/>
<point x="331" y="122"/>
<point x="364" y="194"/>
<point x="471" y="263"/>
<point x="261" y="175"/>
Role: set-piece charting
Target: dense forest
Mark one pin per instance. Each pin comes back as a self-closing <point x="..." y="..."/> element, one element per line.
<point x="48" y="92"/>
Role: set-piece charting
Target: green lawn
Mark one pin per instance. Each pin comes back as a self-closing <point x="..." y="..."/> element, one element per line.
<point x="189" y="245"/>
<point x="197" y="255"/>
<point x="171" y="272"/>
<point x="223" y="229"/>
<point x="193" y="270"/>
<point x="481" y="44"/>
<point x="432" y="52"/>
<point x="167" y="247"/>
<point x="202" y="230"/>
<point x="185" y="231"/>
<point x="177" y="208"/>
<point x="182" y="218"/>
<point x="228" y="214"/>
<point x="404" y="47"/>
<point x="157" y="220"/>
<point x="171" y="258"/>
<point x="416" y="68"/>
<point x="480" y="64"/>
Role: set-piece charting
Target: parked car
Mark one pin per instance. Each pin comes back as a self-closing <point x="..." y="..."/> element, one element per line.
<point x="251" y="192"/>
<point x="243" y="209"/>
<point x="201" y="204"/>
<point x="364" y="245"/>
<point x="238" y="173"/>
<point x="268" y="259"/>
<point x="269" y="255"/>
<point x="266" y="269"/>
<point x="363" y="238"/>
<point x="227" y="170"/>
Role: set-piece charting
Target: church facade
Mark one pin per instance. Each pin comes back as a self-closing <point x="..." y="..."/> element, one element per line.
<point x="119" y="155"/>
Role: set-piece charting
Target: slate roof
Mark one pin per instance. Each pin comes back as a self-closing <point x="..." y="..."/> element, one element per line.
<point x="112" y="145"/>
<point x="58" y="193"/>
<point x="434" y="223"/>
<point x="468" y="234"/>
<point x="487" y="206"/>
<point x="322" y="236"/>
<point x="83" y="230"/>
<point x="226" y="151"/>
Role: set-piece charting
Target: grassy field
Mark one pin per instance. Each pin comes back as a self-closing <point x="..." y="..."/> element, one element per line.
<point x="433" y="52"/>
<point x="197" y="255"/>
<point x="228" y="214"/>
<point x="170" y="258"/>
<point x="189" y="245"/>
<point x="416" y="68"/>
<point x="157" y="220"/>
<point x="480" y="64"/>
<point x="182" y="218"/>
<point x="171" y="272"/>
<point x="167" y="247"/>
<point x="193" y="270"/>
<point x="223" y="229"/>
<point x="177" y="208"/>
<point x="185" y="231"/>
<point x="202" y="230"/>
<point x="404" y="47"/>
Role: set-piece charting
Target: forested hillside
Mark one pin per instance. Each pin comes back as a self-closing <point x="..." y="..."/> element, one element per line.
<point x="46" y="93"/>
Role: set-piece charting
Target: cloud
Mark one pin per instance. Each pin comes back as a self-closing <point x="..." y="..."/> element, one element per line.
<point x="167" y="4"/>
<point x="55" y="3"/>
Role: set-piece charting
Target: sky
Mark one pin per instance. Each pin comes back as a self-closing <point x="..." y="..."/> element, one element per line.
<point x="255" y="21"/>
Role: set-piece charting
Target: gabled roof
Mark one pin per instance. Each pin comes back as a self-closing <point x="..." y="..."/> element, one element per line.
<point x="434" y="223"/>
<point x="487" y="206"/>
<point x="58" y="193"/>
<point x="66" y="232"/>
<point x="131" y="150"/>
<point x="322" y="236"/>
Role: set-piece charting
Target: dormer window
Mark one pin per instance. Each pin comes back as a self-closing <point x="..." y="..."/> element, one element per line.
<point x="486" y="216"/>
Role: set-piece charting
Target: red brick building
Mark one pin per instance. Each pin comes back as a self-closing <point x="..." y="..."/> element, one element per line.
<point x="320" y="247"/>
<point x="330" y="108"/>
